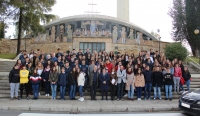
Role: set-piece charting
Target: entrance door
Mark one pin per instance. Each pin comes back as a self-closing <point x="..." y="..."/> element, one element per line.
<point x="92" y="46"/>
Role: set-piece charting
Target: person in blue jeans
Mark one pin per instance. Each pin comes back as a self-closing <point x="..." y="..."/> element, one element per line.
<point x="168" y="81"/>
<point x="148" y="82"/>
<point x="62" y="81"/>
<point x="35" y="80"/>
<point x="139" y="83"/>
<point x="157" y="79"/>
<point x="121" y="75"/>
<point x="53" y="79"/>
<point x="72" y="82"/>
<point x="187" y="77"/>
<point x="130" y="83"/>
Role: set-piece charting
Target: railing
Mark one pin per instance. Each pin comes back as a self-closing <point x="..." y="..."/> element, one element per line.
<point x="191" y="60"/>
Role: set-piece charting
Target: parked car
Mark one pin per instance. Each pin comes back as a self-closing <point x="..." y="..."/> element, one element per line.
<point x="189" y="102"/>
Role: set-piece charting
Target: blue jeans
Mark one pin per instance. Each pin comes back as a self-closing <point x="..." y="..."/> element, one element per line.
<point x="139" y="92"/>
<point x="168" y="91"/>
<point x="155" y="92"/>
<point x="181" y="87"/>
<point x="81" y="91"/>
<point x="35" y="90"/>
<point x="131" y="92"/>
<point x="147" y="89"/>
<point x="188" y="84"/>
<point x="53" y="90"/>
<point x="62" y="92"/>
<point x="86" y="83"/>
<point x="72" y="91"/>
<point x="120" y="90"/>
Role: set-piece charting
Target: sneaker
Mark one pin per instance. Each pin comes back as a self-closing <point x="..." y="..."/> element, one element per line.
<point x="139" y="99"/>
<point x="82" y="99"/>
<point x="122" y="99"/>
<point x="166" y="98"/>
<point x="79" y="98"/>
<point x="125" y="95"/>
<point x="45" y="94"/>
<point x="19" y="98"/>
<point x="11" y="98"/>
<point x="145" y="98"/>
<point x="154" y="98"/>
<point x="39" y="93"/>
<point x="160" y="98"/>
<point x="27" y="98"/>
<point x="149" y="99"/>
<point x="170" y="99"/>
<point x="117" y="99"/>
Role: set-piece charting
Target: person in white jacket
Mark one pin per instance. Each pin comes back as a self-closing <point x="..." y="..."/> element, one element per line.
<point x="81" y="81"/>
<point x="121" y="75"/>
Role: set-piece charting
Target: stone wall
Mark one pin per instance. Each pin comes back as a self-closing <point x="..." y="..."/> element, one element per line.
<point x="10" y="45"/>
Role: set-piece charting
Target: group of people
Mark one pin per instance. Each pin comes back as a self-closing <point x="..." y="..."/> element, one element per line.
<point x="75" y="72"/>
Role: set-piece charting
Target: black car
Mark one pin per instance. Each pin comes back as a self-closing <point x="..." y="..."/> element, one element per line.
<point x="189" y="102"/>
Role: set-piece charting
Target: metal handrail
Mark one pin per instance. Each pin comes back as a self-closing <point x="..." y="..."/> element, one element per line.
<point x="191" y="60"/>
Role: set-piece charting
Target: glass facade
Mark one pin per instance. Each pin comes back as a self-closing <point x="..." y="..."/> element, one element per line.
<point x="92" y="46"/>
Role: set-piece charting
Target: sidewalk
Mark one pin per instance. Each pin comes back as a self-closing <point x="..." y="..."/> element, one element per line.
<point x="88" y="106"/>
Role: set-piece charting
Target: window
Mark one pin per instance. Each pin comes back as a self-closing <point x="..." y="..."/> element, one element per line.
<point x="92" y="46"/>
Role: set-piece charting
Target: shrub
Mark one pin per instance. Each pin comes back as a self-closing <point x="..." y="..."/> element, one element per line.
<point x="175" y="50"/>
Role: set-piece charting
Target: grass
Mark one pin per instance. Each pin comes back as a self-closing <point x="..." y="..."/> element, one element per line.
<point x="7" y="56"/>
<point x="196" y="59"/>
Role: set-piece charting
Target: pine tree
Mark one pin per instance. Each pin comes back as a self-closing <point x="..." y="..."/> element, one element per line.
<point x="28" y="15"/>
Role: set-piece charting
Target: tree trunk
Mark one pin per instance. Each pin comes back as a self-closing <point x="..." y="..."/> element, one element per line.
<point x="19" y="33"/>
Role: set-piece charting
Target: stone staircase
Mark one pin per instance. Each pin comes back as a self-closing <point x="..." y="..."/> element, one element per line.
<point x="6" y="66"/>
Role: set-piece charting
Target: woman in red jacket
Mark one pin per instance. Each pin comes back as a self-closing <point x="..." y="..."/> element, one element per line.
<point x="177" y="77"/>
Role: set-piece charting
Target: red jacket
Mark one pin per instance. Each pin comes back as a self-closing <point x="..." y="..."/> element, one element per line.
<point x="109" y="66"/>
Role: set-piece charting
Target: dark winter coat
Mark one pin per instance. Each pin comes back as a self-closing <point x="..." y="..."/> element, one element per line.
<point x="186" y="75"/>
<point x="62" y="79"/>
<point x="53" y="77"/>
<point x="35" y="79"/>
<point x="45" y="75"/>
<point x="72" y="78"/>
<point x="91" y="76"/>
<point x="14" y="76"/>
<point x="157" y="78"/>
<point x="103" y="78"/>
<point x="148" y="76"/>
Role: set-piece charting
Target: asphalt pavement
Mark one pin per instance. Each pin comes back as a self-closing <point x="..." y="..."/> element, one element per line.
<point x="35" y="113"/>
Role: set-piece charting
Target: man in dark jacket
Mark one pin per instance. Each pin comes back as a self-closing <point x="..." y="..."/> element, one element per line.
<point x="93" y="81"/>
<point x="14" y="82"/>
<point x="168" y="79"/>
<point x="148" y="82"/>
<point x="157" y="78"/>
<point x="62" y="81"/>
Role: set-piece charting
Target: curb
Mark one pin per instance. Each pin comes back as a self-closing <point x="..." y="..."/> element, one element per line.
<point x="84" y="109"/>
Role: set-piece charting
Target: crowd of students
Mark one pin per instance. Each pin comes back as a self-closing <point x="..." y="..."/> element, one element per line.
<point x="75" y="72"/>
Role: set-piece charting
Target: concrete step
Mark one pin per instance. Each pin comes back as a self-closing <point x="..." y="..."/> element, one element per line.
<point x="8" y="63"/>
<point x="86" y="97"/>
<point x="85" y="93"/>
<point x="4" y="69"/>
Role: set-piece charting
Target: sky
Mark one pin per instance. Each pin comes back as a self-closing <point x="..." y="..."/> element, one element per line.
<point x="148" y="14"/>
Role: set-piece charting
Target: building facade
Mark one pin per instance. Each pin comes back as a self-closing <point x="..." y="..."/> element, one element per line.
<point x="96" y="32"/>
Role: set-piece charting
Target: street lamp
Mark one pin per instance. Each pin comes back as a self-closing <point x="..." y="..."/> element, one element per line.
<point x="196" y="31"/>
<point x="158" y="30"/>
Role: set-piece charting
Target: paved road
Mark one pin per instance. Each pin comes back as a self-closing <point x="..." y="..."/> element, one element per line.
<point x="32" y="113"/>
